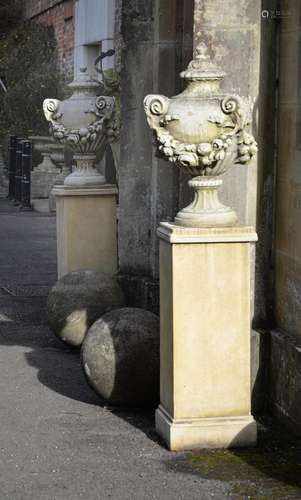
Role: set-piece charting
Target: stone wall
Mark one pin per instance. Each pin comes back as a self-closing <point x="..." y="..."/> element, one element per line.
<point x="60" y="15"/>
<point x="285" y="384"/>
<point x="288" y="214"/>
<point x="118" y="40"/>
<point x="34" y="8"/>
<point x="233" y="34"/>
<point x="157" y="44"/>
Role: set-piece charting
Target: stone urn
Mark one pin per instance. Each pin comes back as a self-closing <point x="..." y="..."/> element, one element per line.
<point x="44" y="175"/>
<point x="203" y="132"/>
<point x="57" y="154"/>
<point x="84" y="123"/>
<point x="43" y="144"/>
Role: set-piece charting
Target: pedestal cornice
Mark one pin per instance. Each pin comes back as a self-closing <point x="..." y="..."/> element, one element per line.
<point x="104" y="190"/>
<point x="180" y="234"/>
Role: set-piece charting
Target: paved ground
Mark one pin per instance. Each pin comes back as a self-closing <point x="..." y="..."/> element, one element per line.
<point x="59" y="441"/>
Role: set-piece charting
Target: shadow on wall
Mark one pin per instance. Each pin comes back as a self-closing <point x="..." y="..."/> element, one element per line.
<point x="260" y="355"/>
<point x="265" y="116"/>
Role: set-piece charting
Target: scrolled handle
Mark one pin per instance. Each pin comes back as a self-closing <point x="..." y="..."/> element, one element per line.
<point x="50" y="107"/>
<point x="230" y="104"/>
<point x="101" y="103"/>
<point x="155" y="107"/>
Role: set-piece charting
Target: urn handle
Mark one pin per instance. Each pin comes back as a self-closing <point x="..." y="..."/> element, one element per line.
<point x="155" y="107"/>
<point x="50" y="108"/>
<point x="102" y="127"/>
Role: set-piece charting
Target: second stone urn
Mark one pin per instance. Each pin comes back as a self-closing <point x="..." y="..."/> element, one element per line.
<point x="203" y="132"/>
<point x="85" y="123"/>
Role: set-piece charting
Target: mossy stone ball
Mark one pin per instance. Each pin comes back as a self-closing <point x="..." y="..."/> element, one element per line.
<point x="77" y="300"/>
<point x="120" y="357"/>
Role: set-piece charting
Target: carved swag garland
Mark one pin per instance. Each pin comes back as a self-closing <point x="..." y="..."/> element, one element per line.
<point x="205" y="158"/>
<point x="84" y="139"/>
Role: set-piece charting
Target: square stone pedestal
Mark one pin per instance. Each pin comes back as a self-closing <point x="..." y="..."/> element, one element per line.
<point x="42" y="183"/>
<point x="86" y="229"/>
<point x="205" y="337"/>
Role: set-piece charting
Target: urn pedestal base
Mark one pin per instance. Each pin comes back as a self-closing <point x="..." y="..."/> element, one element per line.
<point x="85" y="174"/>
<point x="206" y="210"/>
<point x="86" y="229"/>
<point x="205" y="392"/>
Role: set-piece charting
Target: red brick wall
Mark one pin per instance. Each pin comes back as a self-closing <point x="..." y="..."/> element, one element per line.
<point x="60" y="15"/>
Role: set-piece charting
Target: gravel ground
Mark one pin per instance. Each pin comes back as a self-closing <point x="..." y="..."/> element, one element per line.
<point x="58" y="440"/>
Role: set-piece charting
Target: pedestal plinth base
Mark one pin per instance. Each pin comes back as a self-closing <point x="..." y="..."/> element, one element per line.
<point x="86" y="229"/>
<point x="219" y="432"/>
<point x="205" y="387"/>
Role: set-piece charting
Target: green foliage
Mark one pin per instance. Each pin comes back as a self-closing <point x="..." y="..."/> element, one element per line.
<point x="10" y="15"/>
<point x="28" y="67"/>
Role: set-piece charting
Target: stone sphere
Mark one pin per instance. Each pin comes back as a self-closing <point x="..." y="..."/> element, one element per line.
<point x="120" y="357"/>
<point x="77" y="300"/>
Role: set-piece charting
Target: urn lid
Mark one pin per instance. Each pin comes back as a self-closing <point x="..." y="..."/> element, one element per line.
<point x="202" y="67"/>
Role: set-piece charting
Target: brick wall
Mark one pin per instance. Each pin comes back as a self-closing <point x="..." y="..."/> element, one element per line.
<point x="60" y="15"/>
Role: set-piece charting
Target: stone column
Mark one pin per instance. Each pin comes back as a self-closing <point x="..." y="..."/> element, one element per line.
<point x="157" y="38"/>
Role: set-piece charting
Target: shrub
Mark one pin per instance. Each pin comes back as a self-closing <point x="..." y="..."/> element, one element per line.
<point x="28" y="67"/>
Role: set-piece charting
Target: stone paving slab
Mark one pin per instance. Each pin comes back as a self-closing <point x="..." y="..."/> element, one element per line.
<point x="59" y="441"/>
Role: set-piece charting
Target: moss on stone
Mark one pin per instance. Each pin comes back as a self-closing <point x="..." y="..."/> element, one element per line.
<point x="271" y="470"/>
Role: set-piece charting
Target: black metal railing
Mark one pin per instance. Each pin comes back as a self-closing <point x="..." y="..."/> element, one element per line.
<point x="18" y="172"/>
<point x="12" y="166"/>
<point x="19" y="168"/>
<point x="26" y="175"/>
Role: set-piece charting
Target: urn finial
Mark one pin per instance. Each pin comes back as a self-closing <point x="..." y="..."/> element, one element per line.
<point x="201" y="51"/>
<point x="203" y="66"/>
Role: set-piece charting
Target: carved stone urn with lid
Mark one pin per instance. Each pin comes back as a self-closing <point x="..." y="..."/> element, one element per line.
<point x="85" y="123"/>
<point x="203" y="132"/>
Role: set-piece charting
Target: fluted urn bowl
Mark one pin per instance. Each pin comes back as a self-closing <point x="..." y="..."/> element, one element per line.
<point x="82" y="122"/>
<point x="203" y="132"/>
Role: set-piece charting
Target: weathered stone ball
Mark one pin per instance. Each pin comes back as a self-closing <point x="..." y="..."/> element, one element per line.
<point x="77" y="300"/>
<point x="120" y="357"/>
